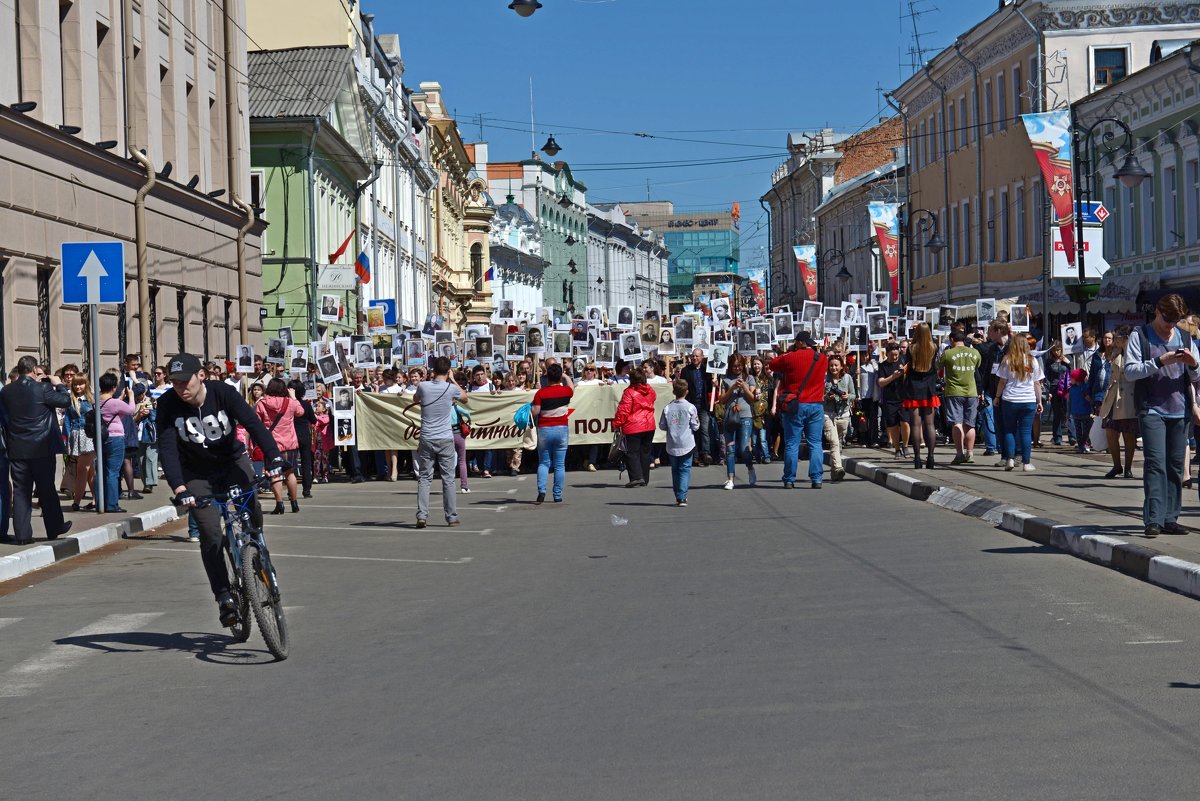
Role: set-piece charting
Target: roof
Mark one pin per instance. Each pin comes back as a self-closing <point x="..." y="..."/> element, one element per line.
<point x="298" y="82"/>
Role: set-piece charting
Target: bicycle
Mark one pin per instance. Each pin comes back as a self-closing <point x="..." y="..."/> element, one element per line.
<point x="255" y="583"/>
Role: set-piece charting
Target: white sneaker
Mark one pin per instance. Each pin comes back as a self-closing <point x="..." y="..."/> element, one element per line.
<point x="1003" y="463"/>
<point x="729" y="484"/>
<point x="1009" y="464"/>
<point x="591" y="468"/>
<point x="465" y="490"/>
<point x="1028" y="468"/>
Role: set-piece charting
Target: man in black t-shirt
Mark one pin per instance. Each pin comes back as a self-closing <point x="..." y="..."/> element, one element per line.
<point x="201" y="455"/>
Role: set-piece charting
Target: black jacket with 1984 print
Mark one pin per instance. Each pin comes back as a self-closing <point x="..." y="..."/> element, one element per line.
<point x="199" y="441"/>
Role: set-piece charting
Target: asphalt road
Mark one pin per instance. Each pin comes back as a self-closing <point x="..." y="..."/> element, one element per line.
<point x="760" y="644"/>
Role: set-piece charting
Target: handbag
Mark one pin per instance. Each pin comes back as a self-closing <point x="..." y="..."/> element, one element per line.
<point x="618" y="449"/>
<point x="256" y="453"/>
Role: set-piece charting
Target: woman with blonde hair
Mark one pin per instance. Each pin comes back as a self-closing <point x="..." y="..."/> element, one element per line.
<point x="80" y="447"/>
<point x="919" y="392"/>
<point x="1019" y="397"/>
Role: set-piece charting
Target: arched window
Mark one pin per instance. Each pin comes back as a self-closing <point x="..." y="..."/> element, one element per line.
<point x="477" y="266"/>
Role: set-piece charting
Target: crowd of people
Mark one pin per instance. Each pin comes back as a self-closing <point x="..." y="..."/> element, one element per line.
<point x="989" y="389"/>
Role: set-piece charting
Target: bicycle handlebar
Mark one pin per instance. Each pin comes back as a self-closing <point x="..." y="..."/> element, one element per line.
<point x="261" y="482"/>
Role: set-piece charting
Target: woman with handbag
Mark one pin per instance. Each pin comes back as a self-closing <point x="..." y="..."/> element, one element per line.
<point x="1118" y="414"/>
<point x="735" y="410"/>
<point x="551" y="407"/>
<point x="920" y="392"/>
<point x="80" y="447"/>
<point x="635" y="419"/>
<point x="278" y="410"/>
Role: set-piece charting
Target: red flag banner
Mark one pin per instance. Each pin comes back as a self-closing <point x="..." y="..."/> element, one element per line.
<point x="1050" y="135"/>
<point x="337" y="254"/>
<point x="806" y="265"/>
<point x="885" y="220"/>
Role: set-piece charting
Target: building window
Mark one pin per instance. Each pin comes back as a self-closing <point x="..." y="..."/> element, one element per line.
<point x="1039" y="229"/>
<point x="991" y="228"/>
<point x="256" y="189"/>
<point x="477" y="266"/>
<point x="1109" y="65"/>
<point x="938" y="129"/>
<point x="951" y="129"/>
<point x="43" y="314"/>
<point x="1018" y="90"/>
<point x="965" y="235"/>
<point x="1149" y="229"/>
<point x="1171" y="236"/>
<point x="1191" y="210"/>
<point x="1110" y="242"/>
<point x="962" y="120"/>
<point x="1005" y="217"/>
<point x="1019" y="200"/>
<point x="987" y="107"/>
<point x="1002" y="101"/>
<point x="974" y="122"/>
<point x="180" y="300"/>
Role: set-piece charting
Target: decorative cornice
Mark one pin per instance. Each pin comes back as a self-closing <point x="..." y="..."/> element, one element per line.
<point x="1118" y="17"/>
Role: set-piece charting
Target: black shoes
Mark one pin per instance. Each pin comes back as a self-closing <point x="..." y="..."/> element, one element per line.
<point x="227" y="610"/>
<point x="541" y="498"/>
<point x="278" y="510"/>
<point x="1174" y="528"/>
<point x="929" y="463"/>
<point x="356" y="480"/>
<point x="838" y="473"/>
<point x="66" y="527"/>
<point x="295" y="506"/>
<point x="816" y="485"/>
<point x="1153" y="531"/>
<point x="421" y="522"/>
<point x="789" y="485"/>
<point x="1114" y="473"/>
<point x="307" y="493"/>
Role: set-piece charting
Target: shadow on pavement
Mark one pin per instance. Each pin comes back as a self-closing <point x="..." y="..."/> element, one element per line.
<point x="1183" y="685"/>
<point x="207" y="647"/>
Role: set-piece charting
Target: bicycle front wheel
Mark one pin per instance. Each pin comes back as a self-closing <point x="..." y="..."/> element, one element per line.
<point x="241" y="629"/>
<point x="268" y="610"/>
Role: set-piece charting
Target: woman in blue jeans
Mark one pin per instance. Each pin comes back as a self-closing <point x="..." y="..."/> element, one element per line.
<point x="1019" y="398"/>
<point x="738" y="392"/>
<point x="551" y="406"/>
<point x="113" y="404"/>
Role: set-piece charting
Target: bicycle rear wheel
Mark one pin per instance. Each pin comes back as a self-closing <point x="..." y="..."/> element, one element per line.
<point x="268" y="610"/>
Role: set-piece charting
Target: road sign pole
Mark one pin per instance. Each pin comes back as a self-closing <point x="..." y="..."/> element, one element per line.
<point x="94" y="361"/>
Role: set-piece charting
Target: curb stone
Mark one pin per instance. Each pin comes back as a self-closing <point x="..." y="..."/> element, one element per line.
<point x="1085" y="542"/>
<point x="31" y="559"/>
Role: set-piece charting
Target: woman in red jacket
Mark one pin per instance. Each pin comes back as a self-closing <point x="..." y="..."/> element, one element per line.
<point x="635" y="419"/>
<point x="278" y="410"/>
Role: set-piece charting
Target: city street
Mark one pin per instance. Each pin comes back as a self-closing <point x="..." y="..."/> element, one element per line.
<point x="759" y="644"/>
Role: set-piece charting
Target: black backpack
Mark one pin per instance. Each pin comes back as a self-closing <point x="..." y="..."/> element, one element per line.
<point x="89" y="422"/>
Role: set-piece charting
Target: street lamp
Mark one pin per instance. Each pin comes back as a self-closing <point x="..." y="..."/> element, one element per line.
<point x="525" y="8"/>
<point x="551" y="147"/>
<point x="826" y="261"/>
<point x="925" y="220"/>
<point x="1131" y="174"/>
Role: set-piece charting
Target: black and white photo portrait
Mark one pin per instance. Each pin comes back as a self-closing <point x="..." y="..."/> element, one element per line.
<point x="245" y="359"/>
<point x="276" y="351"/>
<point x="747" y="342"/>
<point x="631" y="346"/>
<point x="515" y="347"/>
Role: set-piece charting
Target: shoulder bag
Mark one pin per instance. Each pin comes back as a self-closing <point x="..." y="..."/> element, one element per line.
<point x="256" y="453"/>
<point x="789" y="401"/>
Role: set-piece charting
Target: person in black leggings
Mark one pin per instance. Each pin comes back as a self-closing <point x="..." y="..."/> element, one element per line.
<point x="304" y="426"/>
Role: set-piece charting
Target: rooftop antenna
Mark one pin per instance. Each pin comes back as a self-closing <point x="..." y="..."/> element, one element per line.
<point x="916" y="10"/>
<point x="647" y="190"/>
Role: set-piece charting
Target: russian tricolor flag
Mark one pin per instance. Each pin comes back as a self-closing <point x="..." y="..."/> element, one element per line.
<point x="362" y="268"/>
<point x="490" y="275"/>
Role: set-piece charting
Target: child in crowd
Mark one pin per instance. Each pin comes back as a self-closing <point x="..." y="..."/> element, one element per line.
<point x="322" y="442"/>
<point x="1079" y="401"/>
<point x="680" y="420"/>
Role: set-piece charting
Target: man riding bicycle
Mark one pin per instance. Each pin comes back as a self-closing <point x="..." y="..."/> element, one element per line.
<point x="201" y="454"/>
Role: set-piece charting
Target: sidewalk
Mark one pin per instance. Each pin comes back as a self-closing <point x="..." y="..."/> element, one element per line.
<point x="1066" y="503"/>
<point x="89" y="531"/>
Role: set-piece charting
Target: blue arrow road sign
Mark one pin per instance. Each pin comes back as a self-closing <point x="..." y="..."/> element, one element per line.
<point x="93" y="272"/>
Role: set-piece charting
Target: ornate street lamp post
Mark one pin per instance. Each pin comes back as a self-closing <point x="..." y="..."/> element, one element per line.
<point x="826" y="261"/>
<point x="925" y="220"/>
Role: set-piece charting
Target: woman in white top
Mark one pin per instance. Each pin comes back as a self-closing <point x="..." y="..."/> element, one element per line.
<point x="1019" y="398"/>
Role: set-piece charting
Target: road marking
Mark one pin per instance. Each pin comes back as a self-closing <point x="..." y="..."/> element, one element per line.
<point x="460" y="561"/>
<point x="8" y="621"/>
<point x="24" y="678"/>
<point x="1154" y="642"/>
<point x="320" y="506"/>
<point x="403" y="527"/>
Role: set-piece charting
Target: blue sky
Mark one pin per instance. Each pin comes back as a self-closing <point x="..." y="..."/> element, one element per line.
<point x="739" y="74"/>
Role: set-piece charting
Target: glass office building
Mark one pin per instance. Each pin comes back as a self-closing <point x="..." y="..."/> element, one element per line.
<point x="699" y="242"/>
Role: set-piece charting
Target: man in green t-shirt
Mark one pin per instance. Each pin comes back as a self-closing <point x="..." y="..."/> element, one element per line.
<point x="959" y="364"/>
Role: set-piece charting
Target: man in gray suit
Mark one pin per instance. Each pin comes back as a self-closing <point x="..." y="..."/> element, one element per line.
<point x="33" y="439"/>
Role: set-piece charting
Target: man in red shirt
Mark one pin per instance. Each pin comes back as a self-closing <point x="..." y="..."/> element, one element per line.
<point x="801" y="394"/>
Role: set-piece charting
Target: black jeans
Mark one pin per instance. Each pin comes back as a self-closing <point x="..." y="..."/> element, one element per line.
<point x="637" y="454"/>
<point x="208" y="519"/>
<point x="28" y="476"/>
<point x="306" y="464"/>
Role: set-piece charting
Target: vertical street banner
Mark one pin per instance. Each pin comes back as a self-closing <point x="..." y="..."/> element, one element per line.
<point x="1050" y="135"/>
<point x="806" y="265"/>
<point x="885" y="222"/>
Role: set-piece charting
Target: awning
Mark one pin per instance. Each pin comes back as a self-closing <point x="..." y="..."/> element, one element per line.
<point x="1057" y="300"/>
<point x="1118" y="294"/>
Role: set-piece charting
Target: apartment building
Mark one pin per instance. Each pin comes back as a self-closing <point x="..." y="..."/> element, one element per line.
<point x="107" y="106"/>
